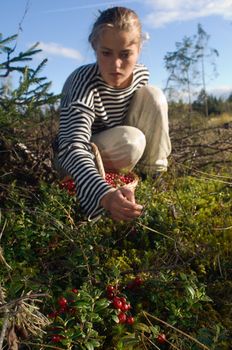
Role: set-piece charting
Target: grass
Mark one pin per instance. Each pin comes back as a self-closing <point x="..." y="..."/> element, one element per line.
<point x="224" y="118"/>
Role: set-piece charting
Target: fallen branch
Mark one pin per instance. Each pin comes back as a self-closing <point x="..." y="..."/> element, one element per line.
<point x="13" y="303"/>
<point x="146" y="314"/>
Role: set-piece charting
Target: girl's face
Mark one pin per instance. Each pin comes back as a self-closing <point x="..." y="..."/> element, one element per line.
<point x="117" y="52"/>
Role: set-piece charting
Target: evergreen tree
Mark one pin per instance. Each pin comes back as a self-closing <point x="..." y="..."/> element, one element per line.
<point x="32" y="91"/>
<point x="229" y="99"/>
<point x="215" y="105"/>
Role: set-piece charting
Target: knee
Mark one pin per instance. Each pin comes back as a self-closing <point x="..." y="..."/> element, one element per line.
<point x="135" y="144"/>
<point x="153" y="94"/>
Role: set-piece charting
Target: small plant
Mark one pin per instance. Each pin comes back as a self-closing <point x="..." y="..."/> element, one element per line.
<point x="119" y="302"/>
<point x="81" y="318"/>
<point x="74" y="317"/>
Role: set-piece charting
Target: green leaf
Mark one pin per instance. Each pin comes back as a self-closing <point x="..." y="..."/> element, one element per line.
<point x="142" y="327"/>
<point x="155" y="330"/>
<point x="130" y="340"/>
<point x="89" y="346"/>
<point x="95" y="343"/>
<point x="95" y="317"/>
<point x="115" y="318"/>
<point x="101" y="305"/>
<point x="206" y="298"/>
<point x="82" y="304"/>
<point x="78" y="333"/>
<point x="191" y="291"/>
<point x="69" y="333"/>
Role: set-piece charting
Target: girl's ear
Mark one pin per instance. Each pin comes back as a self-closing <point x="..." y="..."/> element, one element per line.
<point x="144" y="38"/>
<point x="140" y="46"/>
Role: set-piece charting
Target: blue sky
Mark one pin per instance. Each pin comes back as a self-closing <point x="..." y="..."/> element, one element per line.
<point x="62" y="28"/>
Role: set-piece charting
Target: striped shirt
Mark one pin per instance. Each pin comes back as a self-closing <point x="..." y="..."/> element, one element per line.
<point x="88" y="106"/>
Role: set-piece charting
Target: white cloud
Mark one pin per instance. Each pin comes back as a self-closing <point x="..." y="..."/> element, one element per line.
<point x="86" y="6"/>
<point x="183" y="10"/>
<point x="221" y="91"/>
<point x="55" y="49"/>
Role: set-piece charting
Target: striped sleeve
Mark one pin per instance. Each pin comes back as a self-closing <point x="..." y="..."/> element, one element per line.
<point x="76" y="118"/>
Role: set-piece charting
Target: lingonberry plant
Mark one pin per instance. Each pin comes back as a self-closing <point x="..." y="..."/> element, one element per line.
<point x="120" y="302"/>
<point x="114" y="275"/>
<point x="77" y="313"/>
<point x="75" y="316"/>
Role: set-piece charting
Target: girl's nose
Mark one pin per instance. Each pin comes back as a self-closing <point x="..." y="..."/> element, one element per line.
<point x="117" y="62"/>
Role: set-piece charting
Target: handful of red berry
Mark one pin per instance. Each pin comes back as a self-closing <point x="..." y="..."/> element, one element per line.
<point x="117" y="180"/>
<point x="113" y="179"/>
<point x="68" y="184"/>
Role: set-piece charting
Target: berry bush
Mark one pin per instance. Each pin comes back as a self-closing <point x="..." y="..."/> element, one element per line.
<point x="155" y="283"/>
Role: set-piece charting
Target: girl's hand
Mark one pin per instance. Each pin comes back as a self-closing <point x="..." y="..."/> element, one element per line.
<point x="121" y="204"/>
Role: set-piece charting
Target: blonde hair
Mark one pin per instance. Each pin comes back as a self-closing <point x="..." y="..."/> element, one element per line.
<point x="120" y="18"/>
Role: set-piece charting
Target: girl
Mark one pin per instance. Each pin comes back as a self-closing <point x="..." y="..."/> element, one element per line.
<point x="111" y="104"/>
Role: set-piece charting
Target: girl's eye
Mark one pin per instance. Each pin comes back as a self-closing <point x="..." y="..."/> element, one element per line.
<point x="125" y="55"/>
<point x="105" y="53"/>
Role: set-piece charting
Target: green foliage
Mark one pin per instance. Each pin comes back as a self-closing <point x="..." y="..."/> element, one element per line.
<point x="177" y="250"/>
<point x="216" y="105"/>
<point x="78" y="317"/>
<point x="32" y="91"/>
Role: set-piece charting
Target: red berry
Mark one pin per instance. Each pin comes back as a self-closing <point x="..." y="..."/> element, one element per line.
<point x="110" y="295"/>
<point x="54" y="328"/>
<point x="125" y="307"/>
<point x="123" y="300"/>
<point x="110" y="288"/>
<point x="122" y="317"/>
<point x="56" y="338"/>
<point x="62" y="310"/>
<point x="130" y="285"/>
<point x="130" y="320"/>
<point x="161" y="338"/>
<point x="69" y="185"/>
<point x="53" y="314"/>
<point x="117" y="298"/>
<point x="117" y="303"/>
<point x="138" y="281"/>
<point x="71" y="301"/>
<point x="62" y="301"/>
<point x="75" y="290"/>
